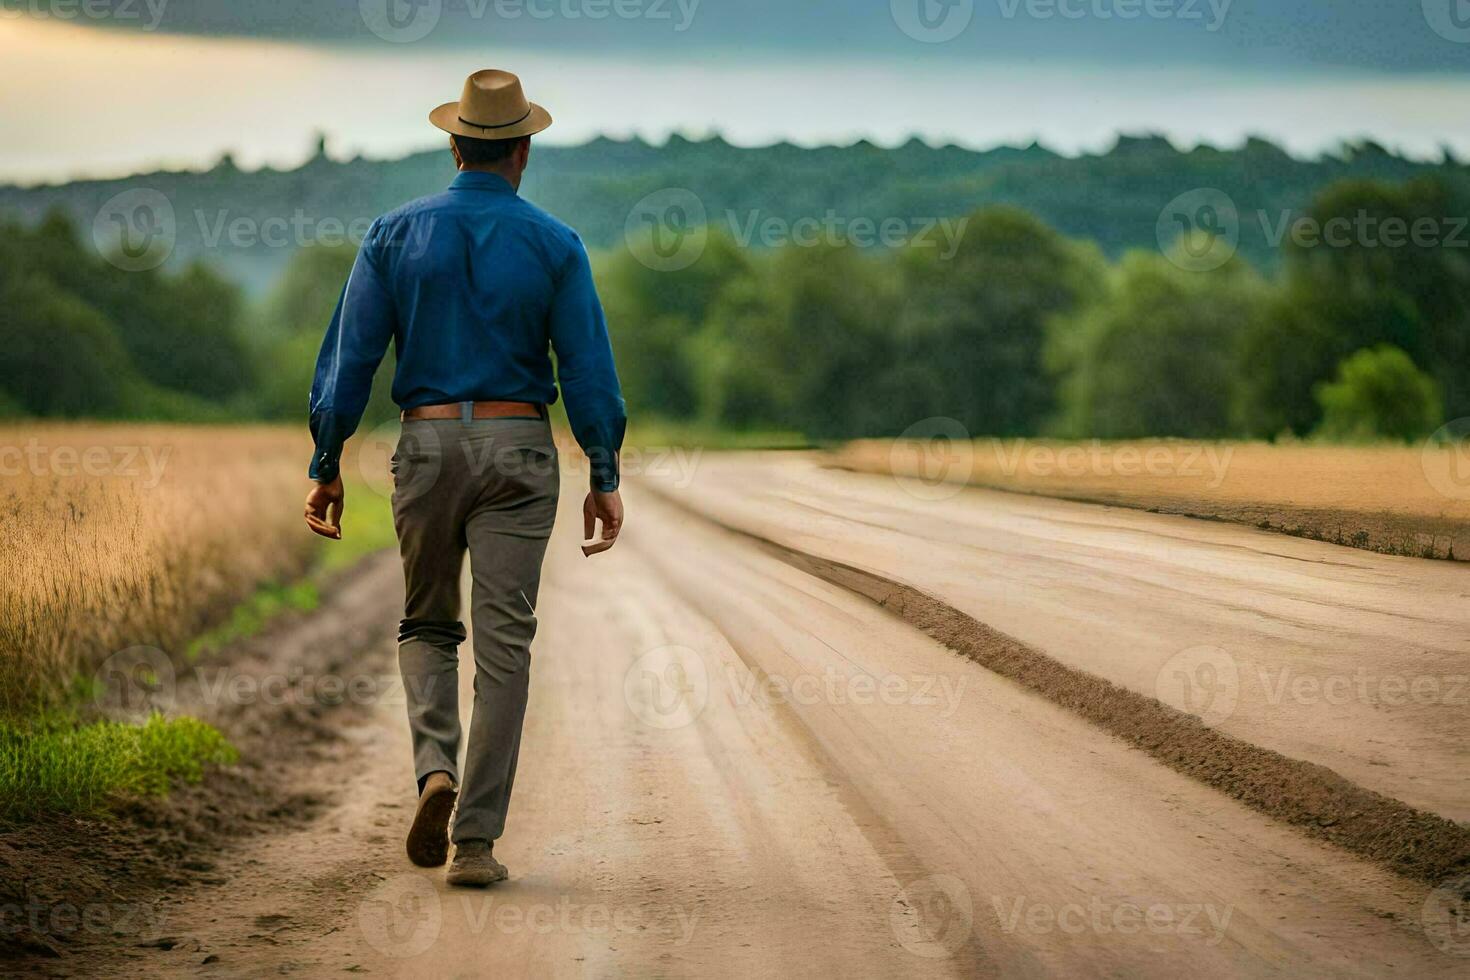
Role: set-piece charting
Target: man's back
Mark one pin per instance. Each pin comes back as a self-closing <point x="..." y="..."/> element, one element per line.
<point x="474" y="286"/>
<point x="474" y="271"/>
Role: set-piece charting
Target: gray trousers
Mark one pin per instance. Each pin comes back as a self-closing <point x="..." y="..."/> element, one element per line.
<point x="487" y="487"/>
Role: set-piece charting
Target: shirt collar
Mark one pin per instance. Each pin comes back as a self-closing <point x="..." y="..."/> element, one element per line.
<point x="479" y="180"/>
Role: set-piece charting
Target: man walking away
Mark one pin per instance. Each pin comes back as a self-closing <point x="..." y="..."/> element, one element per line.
<point x="475" y="287"/>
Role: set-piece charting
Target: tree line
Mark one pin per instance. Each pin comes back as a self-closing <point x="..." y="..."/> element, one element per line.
<point x="1023" y="331"/>
<point x="1016" y="330"/>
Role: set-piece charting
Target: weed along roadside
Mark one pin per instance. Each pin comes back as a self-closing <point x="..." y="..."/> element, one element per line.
<point x="154" y="665"/>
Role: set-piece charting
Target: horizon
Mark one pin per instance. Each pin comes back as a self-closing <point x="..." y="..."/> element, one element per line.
<point x="1327" y="153"/>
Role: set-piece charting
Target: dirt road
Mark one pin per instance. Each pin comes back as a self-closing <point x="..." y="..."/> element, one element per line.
<point x="1357" y="661"/>
<point x="731" y="768"/>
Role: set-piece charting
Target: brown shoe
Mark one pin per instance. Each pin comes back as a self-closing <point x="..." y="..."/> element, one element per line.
<point x="428" y="838"/>
<point x="475" y="865"/>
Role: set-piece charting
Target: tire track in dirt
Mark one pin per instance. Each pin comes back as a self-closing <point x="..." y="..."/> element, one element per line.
<point x="1419" y="845"/>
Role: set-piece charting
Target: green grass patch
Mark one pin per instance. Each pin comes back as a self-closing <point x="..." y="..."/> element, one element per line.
<point x="367" y="527"/>
<point x="251" y="616"/>
<point x="56" y="765"/>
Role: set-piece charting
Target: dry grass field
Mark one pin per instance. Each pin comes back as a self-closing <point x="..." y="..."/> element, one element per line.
<point x="1392" y="499"/>
<point x="116" y="535"/>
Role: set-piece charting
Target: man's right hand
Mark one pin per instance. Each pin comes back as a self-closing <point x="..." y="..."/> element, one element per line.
<point x="604" y="507"/>
<point x="324" y="509"/>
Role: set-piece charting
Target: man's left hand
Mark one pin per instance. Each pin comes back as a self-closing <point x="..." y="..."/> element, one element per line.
<point x="324" y="509"/>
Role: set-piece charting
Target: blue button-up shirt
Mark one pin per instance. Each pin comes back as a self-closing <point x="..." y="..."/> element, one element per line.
<point x="475" y="287"/>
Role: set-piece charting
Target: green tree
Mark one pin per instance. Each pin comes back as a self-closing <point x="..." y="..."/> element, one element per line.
<point x="653" y="315"/>
<point x="1156" y="355"/>
<point x="181" y="332"/>
<point x="62" y="357"/>
<point x="1379" y="394"/>
<point x="974" y="315"/>
<point x="836" y="308"/>
<point x="739" y="384"/>
<point x="1377" y="264"/>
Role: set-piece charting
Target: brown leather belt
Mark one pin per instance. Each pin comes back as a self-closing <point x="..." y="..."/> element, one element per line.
<point x="474" y="410"/>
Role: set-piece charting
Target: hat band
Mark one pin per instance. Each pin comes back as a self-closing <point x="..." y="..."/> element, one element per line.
<point x="495" y="125"/>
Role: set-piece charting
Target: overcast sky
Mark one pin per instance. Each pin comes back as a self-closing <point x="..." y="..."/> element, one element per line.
<point x="112" y="86"/>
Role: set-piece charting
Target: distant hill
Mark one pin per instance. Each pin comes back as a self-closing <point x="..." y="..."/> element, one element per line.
<point x="1114" y="198"/>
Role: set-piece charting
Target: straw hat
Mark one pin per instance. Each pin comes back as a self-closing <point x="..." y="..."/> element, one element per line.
<point x="493" y="107"/>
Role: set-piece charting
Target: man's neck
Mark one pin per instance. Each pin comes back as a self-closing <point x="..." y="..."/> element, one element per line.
<point x="513" y="179"/>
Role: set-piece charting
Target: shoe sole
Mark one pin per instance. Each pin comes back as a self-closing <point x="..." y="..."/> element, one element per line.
<point x="473" y="880"/>
<point x="428" y="838"/>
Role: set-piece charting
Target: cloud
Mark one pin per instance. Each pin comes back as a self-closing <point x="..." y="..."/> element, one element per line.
<point x="1388" y="35"/>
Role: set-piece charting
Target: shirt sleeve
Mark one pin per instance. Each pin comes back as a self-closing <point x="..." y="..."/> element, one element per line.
<point x="357" y="338"/>
<point x="584" y="359"/>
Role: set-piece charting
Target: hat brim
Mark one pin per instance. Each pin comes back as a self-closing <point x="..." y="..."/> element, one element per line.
<point x="446" y="117"/>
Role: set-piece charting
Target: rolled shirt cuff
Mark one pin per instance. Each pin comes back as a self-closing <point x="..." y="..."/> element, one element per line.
<point x="601" y="443"/>
<point x="326" y="460"/>
<point x="604" y="465"/>
<point x="326" y="465"/>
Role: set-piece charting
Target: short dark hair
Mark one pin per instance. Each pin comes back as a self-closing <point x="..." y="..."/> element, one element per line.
<point x="477" y="152"/>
